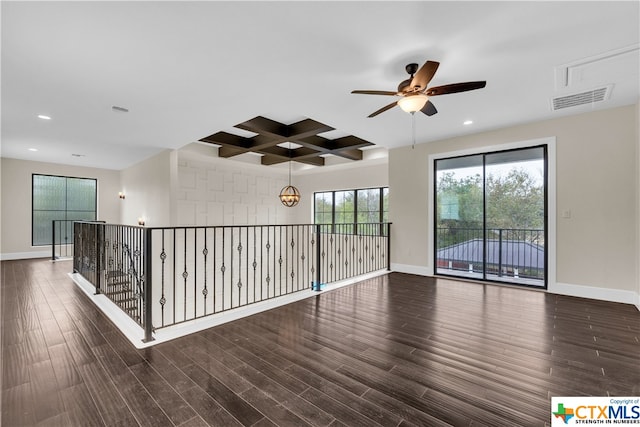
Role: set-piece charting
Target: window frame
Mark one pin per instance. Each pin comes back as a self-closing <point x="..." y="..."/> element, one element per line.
<point x="547" y="189"/>
<point x="66" y="210"/>
<point x="382" y="191"/>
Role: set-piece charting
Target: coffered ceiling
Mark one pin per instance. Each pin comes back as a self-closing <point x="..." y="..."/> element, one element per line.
<point x="278" y="142"/>
<point x="183" y="70"/>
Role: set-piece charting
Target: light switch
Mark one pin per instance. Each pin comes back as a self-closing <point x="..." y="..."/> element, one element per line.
<point x="566" y="214"/>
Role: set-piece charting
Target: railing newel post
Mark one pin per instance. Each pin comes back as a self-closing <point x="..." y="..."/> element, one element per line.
<point x="53" y="240"/>
<point x="98" y="256"/>
<point x="500" y="252"/>
<point x="318" y="259"/>
<point x="147" y="294"/>
<point x="388" y="246"/>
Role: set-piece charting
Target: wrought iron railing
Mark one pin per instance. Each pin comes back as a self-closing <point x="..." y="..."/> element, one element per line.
<point x="62" y="238"/>
<point x="195" y="272"/>
<point x="501" y="252"/>
<point x="111" y="257"/>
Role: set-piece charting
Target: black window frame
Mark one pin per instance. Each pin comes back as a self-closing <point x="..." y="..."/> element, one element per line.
<point x="66" y="211"/>
<point x="331" y="228"/>
<point x="484" y="154"/>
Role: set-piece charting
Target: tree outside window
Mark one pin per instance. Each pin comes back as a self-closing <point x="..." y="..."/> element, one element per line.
<point x="349" y="210"/>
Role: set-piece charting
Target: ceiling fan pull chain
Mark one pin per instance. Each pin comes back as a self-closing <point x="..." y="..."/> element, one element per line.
<point x="413" y="129"/>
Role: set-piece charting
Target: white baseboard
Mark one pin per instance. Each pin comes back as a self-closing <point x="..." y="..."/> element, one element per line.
<point x="592" y="292"/>
<point x="25" y="255"/>
<point x="135" y="333"/>
<point x="603" y="294"/>
<point x="411" y="269"/>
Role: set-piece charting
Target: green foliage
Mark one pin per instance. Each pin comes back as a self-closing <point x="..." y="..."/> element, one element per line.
<point x="368" y="206"/>
<point x="513" y="201"/>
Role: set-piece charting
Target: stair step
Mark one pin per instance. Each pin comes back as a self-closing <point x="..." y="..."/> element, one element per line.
<point x="116" y="273"/>
<point x="112" y="292"/>
<point x="121" y="300"/>
<point x="118" y="287"/>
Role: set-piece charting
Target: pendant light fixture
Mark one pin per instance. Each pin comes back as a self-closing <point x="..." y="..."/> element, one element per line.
<point x="289" y="195"/>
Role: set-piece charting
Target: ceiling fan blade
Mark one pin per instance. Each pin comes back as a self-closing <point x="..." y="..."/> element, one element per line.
<point x="429" y="109"/>
<point x="455" y="88"/>
<point x="375" y="92"/>
<point x="383" y="109"/>
<point x="424" y="75"/>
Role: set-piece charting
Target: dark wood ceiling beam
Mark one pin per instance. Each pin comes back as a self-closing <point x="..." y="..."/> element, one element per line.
<point x="227" y="151"/>
<point x="297" y="153"/>
<point x="349" y="145"/>
<point x="268" y="159"/>
<point x="306" y="128"/>
<point x="283" y="133"/>
<point x="349" y="142"/>
<point x="261" y="142"/>
<point x="315" y="142"/>
<point x="270" y="133"/>
<point x="262" y="125"/>
<point x="349" y="154"/>
<point x="225" y="138"/>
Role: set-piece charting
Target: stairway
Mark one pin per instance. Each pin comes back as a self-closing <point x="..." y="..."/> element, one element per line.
<point x="121" y="289"/>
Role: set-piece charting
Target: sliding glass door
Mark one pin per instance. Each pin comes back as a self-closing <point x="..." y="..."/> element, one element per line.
<point x="491" y="216"/>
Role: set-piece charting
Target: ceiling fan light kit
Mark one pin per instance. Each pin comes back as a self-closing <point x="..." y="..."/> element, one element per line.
<point x="413" y="103"/>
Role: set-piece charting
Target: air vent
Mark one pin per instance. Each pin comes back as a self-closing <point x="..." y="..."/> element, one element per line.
<point x="582" y="98"/>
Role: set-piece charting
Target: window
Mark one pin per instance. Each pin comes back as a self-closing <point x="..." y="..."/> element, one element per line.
<point x="490" y="211"/>
<point x="323" y="208"/>
<point x="344" y="211"/>
<point x="351" y="207"/>
<point x="60" y="198"/>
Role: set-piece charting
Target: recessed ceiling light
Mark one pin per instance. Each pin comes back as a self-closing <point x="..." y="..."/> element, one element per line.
<point x="467" y="122"/>
<point x="43" y="117"/>
<point x="33" y="149"/>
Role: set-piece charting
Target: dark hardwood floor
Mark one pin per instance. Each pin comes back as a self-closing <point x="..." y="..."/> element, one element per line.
<point x="398" y="350"/>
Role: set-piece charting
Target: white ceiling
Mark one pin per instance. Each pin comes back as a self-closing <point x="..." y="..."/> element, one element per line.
<point x="188" y="69"/>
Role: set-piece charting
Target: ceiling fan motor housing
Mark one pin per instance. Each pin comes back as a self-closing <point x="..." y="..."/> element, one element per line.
<point x="411" y="68"/>
<point x="403" y="85"/>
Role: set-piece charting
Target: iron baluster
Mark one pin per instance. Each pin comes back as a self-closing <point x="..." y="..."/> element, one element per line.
<point x="148" y="314"/>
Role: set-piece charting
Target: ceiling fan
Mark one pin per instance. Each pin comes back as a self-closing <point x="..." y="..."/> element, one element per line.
<point x="414" y="94"/>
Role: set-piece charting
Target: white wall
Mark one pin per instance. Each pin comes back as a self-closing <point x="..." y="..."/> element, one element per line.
<point x="597" y="181"/>
<point x="15" y="233"/>
<point x="637" y="127"/>
<point x="148" y="191"/>
<point x="183" y="187"/>
<point x="215" y="191"/>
